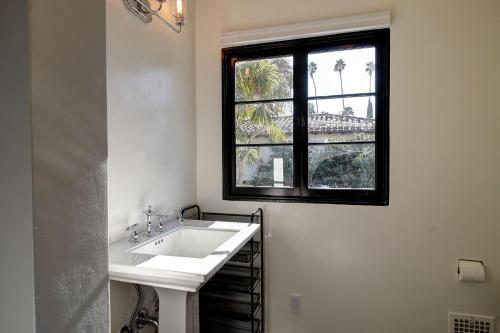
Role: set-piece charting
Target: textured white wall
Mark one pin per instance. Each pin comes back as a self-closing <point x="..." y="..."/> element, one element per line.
<point x="68" y="79"/>
<point x="383" y="269"/>
<point x="151" y="125"/>
<point x="17" y="305"/>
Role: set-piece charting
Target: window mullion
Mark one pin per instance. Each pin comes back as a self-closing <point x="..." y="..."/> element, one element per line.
<point x="300" y="121"/>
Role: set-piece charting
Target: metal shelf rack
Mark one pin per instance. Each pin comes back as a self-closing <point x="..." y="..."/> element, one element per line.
<point x="233" y="300"/>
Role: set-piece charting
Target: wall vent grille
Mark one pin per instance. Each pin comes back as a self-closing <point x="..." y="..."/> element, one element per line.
<point x="470" y="323"/>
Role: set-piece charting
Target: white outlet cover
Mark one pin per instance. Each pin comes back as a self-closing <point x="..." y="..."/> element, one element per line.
<point x="295" y="303"/>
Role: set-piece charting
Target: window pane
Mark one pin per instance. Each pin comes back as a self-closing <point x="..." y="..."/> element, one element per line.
<point x="264" y="79"/>
<point x="342" y="119"/>
<point x="268" y="166"/>
<point x="264" y="123"/>
<point x="342" y="166"/>
<point x="342" y="72"/>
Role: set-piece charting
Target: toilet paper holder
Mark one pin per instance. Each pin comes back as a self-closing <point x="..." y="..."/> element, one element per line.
<point x="471" y="260"/>
<point x="471" y="270"/>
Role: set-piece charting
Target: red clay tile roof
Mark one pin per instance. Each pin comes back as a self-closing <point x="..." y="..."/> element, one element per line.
<point x="322" y="123"/>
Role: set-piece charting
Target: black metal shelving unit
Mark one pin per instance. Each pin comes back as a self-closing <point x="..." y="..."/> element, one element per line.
<point x="232" y="301"/>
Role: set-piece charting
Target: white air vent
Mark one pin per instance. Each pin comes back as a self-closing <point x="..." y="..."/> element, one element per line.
<point x="470" y="323"/>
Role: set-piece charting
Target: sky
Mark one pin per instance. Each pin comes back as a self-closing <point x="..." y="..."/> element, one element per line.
<point x="354" y="78"/>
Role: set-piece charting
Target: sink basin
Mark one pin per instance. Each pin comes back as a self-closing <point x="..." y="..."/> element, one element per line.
<point x="178" y="261"/>
<point x="186" y="242"/>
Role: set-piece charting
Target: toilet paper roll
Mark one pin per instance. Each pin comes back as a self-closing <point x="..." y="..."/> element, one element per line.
<point x="471" y="271"/>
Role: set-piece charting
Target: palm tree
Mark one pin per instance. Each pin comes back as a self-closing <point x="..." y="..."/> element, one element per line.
<point x="313" y="67"/>
<point x="260" y="79"/>
<point x="256" y="80"/>
<point x="370" y="68"/>
<point x="339" y="67"/>
<point x="348" y="111"/>
<point x="246" y="156"/>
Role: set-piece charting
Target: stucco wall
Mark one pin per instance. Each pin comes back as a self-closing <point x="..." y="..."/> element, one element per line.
<point x="382" y="269"/>
<point x="68" y="72"/>
<point x="151" y="125"/>
<point x="17" y="305"/>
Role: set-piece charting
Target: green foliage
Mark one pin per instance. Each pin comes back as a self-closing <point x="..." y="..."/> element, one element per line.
<point x="313" y="67"/>
<point x="369" y="109"/>
<point x="251" y="155"/>
<point x="348" y="111"/>
<point x="265" y="174"/>
<point x="261" y="115"/>
<point x="246" y="156"/>
<point x="263" y="79"/>
<point x="350" y="168"/>
<point x="257" y="80"/>
<point x="370" y="68"/>
<point x="339" y="65"/>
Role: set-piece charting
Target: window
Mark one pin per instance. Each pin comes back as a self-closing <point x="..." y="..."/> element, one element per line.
<point x="308" y="120"/>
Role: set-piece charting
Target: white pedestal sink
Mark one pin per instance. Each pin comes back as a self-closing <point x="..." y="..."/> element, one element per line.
<point x="178" y="261"/>
<point x="186" y="242"/>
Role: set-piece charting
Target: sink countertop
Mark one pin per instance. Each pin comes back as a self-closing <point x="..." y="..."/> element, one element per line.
<point x="182" y="273"/>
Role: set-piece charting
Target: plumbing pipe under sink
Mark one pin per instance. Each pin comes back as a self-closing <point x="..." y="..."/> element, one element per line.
<point x="139" y="319"/>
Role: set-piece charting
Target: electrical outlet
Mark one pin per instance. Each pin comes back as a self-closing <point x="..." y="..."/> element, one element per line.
<point x="295" y="303"/>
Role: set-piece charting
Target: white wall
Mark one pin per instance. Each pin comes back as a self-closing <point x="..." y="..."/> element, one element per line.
<point x="68" y="81"/>
<point x="17" y="305"/>
<point x="151" y="117"/>
<point x="383" y="269"/>
<point x="151" y="126"/>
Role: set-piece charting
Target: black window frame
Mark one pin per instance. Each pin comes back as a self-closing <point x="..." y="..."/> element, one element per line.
<point x="299" y="49"/>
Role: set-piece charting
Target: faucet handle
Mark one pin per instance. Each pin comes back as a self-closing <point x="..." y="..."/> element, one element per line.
<point x="149" y="211"/>
<point x="161" y="218"/>
<point x="134" y="237"/>
<point x="133" y="227"/>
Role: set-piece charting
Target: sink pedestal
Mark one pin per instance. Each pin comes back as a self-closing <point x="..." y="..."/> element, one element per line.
<point x="178" y="311"/>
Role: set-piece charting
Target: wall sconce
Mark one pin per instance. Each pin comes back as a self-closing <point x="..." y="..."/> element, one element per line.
<point x="143" y="10"/>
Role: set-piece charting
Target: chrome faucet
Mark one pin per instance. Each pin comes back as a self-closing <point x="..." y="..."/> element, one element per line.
<point x="179" y="215"/>
<point x="134" y="237"/>
<point x="149" y="212"/>
<point x="162" y="216"/>
<point x="160" y="228"/>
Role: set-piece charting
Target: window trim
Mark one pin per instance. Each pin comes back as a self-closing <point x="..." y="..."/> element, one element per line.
<point x="326" y="27"/>
<point x="300" y="48"/>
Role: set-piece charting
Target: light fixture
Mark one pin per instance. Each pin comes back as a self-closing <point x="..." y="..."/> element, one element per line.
<point x="143" y="10"/>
